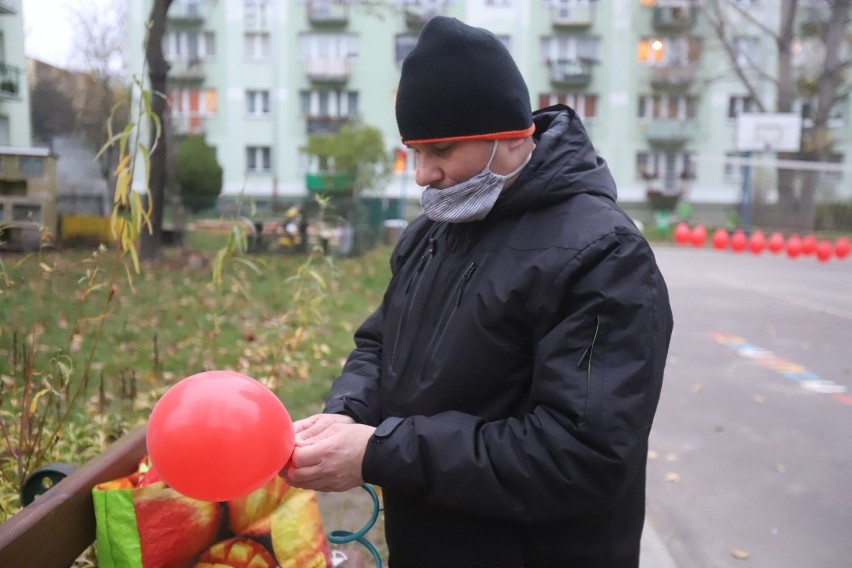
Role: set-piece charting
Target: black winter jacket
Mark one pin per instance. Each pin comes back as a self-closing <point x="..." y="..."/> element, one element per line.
<point x="524" y="355"/>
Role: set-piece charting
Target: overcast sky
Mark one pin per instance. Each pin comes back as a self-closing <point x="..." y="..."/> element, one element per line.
<point x="47" y="34"/>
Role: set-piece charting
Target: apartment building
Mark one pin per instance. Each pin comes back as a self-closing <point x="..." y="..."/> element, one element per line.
<point x="649" y="78"/>
<point x="14" y="99"/>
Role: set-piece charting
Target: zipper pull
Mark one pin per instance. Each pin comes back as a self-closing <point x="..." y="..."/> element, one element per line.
<point x="468" y="273"/>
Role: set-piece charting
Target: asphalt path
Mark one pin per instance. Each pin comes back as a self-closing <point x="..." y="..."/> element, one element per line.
<point x="751" y="452"/>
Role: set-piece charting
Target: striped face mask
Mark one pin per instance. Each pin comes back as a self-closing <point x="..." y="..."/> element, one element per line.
<point x="469" y="200"/>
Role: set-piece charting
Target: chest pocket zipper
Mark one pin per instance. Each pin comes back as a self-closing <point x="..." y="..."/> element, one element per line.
<point x="465" y="279"/>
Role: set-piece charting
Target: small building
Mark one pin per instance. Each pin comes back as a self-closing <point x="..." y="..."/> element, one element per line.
<point x="28" y="216"/>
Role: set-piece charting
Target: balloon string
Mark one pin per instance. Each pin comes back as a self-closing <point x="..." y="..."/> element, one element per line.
<point x="344" y="537"/>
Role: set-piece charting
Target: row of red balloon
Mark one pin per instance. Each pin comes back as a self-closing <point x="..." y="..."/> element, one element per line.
<point x="757" y="242"/>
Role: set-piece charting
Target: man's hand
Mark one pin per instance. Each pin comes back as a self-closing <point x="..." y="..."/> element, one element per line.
<point x="328" y="454"/>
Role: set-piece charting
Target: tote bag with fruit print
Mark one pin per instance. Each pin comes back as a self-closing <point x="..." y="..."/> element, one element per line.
<point x="142" y="523"/>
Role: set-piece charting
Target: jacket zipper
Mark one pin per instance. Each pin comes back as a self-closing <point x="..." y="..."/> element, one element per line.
<point x="465" y="279"/>
<point x="409" y="299"/>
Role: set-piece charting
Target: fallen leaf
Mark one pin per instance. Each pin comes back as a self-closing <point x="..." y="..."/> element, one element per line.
<point x="739" y="554"/>
<point x="652" y="455"/>
<point x="672" y="477"/>
<point x="780" y="467"/>
<point x="698" y="388"/>
<point x="759" y="398"/>
<point x="671" y="457"/>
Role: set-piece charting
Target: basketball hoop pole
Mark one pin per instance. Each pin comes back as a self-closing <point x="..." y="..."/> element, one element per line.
<point x="746" y="197"/>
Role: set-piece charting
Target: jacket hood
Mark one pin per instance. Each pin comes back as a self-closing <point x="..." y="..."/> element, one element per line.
<point x="564" y="163"/>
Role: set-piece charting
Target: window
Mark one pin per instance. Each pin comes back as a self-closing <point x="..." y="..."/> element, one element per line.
<point x="585" y="104"/>
<point x="256" y="13"/>
<point x="258" y="159"/>
<point x="667" y="107"/>
<point x="26" y="212"/>
<point x="738" y="105"/>
<point x="324" y="45"/>
<point x="745" y="50"/>
<point x="404" y="44"/>
<point x="498" y="2"/>
<point x="257" y="103"/>
<point x="670" y="167"/>
<point x="257" y="45"/>
<point x="733" y="172"/>
<point x="31" y="165"/>
<point x="569" y="48"/>
<point x="335" y="104"/>
<point x="189" y="45"/>
<point x="678" y="50"/>
<point x="193" y="102"/>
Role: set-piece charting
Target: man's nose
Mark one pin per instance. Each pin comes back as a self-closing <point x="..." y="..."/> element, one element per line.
<point x="426" y="172"/>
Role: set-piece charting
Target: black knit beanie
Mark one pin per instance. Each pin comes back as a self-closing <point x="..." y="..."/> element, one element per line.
<point x="461" y="83"/>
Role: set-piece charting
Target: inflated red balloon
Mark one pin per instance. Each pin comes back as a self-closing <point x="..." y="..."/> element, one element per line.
<point x="720" y="238"/>
<point x="776" y="242"/>
<point x="698" y="236"/>
<point x="738" y="241"/>
<point x="757" y="242"/>
<point x="682" y="233"/>
<point x="809" y="245"/>
<point x="842" y="248"/>
<point x="824" y="251"/>
<point x="794" y="246"/>
<point x="219" y="435"/>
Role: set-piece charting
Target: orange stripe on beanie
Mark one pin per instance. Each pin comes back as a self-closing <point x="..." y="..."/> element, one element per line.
<point x="460" y="83"/>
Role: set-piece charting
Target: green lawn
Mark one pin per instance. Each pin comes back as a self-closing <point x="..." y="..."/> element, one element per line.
<point x="80" y="315"/>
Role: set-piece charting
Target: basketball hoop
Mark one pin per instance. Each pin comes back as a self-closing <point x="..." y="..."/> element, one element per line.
<point x="769" y="132"/>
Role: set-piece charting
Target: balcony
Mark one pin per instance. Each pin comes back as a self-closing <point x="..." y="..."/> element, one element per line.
<point x="320" y="124"/>
<point x="570" y="72"/>
<point x="578" y="15"/>
<point x="673" y="77"/>
<point x="187" y="124"/>
<point x="187" y="70"/>
<point x="327" y="12"/>
<point x="674" y="19"/>
<point x="10" y="81"/>
<point x="328" y="70"/>
<point x="670" y="131"/>
<point x="330" y="183"/>
<point x="188" y="11"/>
<point x="7" y="7"/>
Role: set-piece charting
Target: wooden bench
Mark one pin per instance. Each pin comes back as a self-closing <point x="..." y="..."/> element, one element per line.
<point x="54" y="530"/>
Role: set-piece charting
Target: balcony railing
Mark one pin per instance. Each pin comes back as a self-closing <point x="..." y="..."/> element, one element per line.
<point x="330" y="183"/>
<point x="570" y="72"/>
<point x="187" y="69"/>
<point x="674" y="18"/>
<point x="10" y="81"/>
<point x="192" y="11"/>
<point x="670" y="131"/>
<point x="328" y="70"/>
<point x="188" y="124"/>
<point x="326" y="124"/>
<point x="673" y="76"/>
<point x="328" y="12"/>
<point x="578" y="15"/>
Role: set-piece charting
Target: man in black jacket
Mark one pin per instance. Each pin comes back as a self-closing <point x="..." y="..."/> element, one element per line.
<point x="503" y="393"/>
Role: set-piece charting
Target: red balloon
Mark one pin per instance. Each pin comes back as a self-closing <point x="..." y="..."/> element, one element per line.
<point x="738" y="241"/>
<point x="720" y="238"/>
<point x="757" y="242"/>
<point x="776" y="242"/>
<point x="219" y="435"/>
<point x="809" y="245"/>
<point x="794" y="246"/>
<point x="698" y="236"/>
<point x="682" y="233"/>
<point x="824" y="251"/>
<point x="842" y="247"/>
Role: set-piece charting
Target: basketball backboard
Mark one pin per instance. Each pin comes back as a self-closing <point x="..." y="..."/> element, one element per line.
<point x="769" y="132"/>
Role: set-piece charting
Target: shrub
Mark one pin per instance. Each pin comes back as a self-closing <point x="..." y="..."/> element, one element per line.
<point x="198" y="173"/>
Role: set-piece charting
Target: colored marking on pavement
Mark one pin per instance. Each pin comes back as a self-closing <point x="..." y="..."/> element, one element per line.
<point x="808" y="380"/>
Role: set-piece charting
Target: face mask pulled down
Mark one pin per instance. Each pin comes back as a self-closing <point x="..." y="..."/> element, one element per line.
<point x="469" y="200"/>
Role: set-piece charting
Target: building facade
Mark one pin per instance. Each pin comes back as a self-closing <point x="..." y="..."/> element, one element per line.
<point x="14" y="98"/>
<point x="649" y="78"/>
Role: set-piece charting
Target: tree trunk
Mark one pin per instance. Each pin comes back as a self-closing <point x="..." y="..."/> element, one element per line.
<point x="158" y="71"/>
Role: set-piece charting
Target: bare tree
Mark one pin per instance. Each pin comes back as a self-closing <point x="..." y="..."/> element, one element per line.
<point x="158" y="70"/>
<point x="811" y="67"/>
